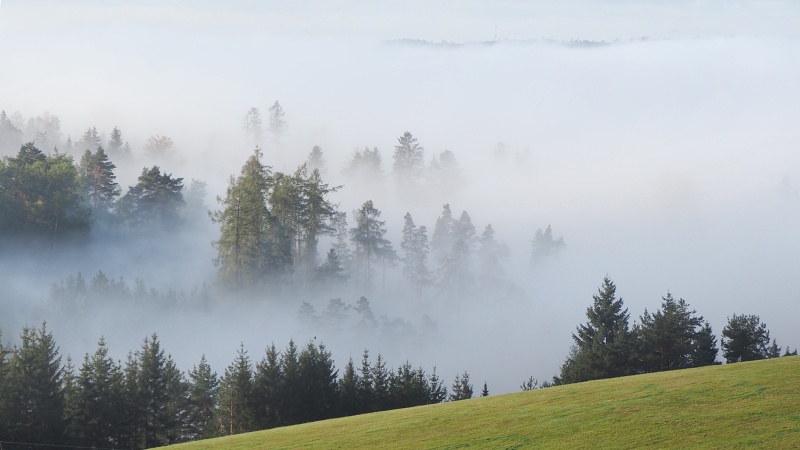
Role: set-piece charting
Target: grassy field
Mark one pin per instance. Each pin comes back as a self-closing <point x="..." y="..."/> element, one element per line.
<point x="745" y="405"/>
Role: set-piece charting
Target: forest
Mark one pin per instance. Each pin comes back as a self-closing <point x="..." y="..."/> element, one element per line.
<point x="271" y="227"/>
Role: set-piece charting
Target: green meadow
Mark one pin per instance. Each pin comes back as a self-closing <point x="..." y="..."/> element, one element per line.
<point x="744" y="405"/>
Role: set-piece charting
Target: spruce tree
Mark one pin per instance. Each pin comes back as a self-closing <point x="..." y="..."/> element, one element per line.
<point x="415" y="255"/>
<point x="409" y="158"/>
<point x="35" y="400"/>
<point x="243" y="246"/>
<point x="603" y="347"/>
<point x="267" y="387"/>
<point x="203" y="396"/>
<point x="98" y="182"/>
<point x="236" y="395"/>
<point x="349" y="403"/>
<point x="745" y="338"/>
<point x="277" y="121"/>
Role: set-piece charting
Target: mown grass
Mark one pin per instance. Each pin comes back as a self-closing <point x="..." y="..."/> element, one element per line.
<point x="745" y="405"/>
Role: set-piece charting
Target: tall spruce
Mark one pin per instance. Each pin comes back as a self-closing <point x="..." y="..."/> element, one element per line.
<point x="243" y="248"/>
<point x="603" y="345"/>
<point x="236" y="395"/>
<point x="203" y="397"/>
<point x="35" y="400"/>
<point x="409" y="158"/>
<point x="415" y="255"/>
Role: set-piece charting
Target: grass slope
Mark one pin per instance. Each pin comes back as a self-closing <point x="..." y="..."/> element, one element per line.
<point x="745" y="405"/>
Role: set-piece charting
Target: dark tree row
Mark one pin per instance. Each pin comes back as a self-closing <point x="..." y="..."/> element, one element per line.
<point x="147" y="401"/>
<point x="674" y="337"/>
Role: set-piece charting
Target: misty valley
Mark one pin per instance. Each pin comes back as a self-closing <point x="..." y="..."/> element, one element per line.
<point x="285" y="252"/>
<point x="223" y="217"/>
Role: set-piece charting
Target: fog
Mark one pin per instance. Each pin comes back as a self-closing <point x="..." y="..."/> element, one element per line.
<point x="659" y="139"/>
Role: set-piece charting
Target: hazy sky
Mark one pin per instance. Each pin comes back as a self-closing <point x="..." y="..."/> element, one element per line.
<point x="668" y="164"/>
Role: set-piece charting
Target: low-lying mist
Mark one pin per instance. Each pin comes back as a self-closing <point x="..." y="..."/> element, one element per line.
<point x="670" y="165"/>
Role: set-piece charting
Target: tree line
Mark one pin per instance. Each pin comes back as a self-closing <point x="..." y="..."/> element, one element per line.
<point x="674" y="337"/>
<point x="146" y="401"/>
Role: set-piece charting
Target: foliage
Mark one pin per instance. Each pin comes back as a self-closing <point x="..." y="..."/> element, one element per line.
<point x="154" y="203"/>
<point x="40" y="197"/>
<point x="746" y="338"/>
<point x="544" y="246"/>
<point x="673" y="338"/>
<point x="603" y="344"/>
<point x="409" y="158"/>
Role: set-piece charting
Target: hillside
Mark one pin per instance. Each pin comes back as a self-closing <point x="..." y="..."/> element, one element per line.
<point x="754" y="404"/>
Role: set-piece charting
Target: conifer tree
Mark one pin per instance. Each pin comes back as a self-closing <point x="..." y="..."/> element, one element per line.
<point x="491" y="255"/>
<point x="35" y="400"/>
<point x="243" y="246"/>
<point x="267" y="387"/>
<point x="368" y="239"/>
<point x="603" y="347"/>
<point x="236" y="395"/>
<point x="318" y="376"/>
<point x="461" y="389"/>
<point x="409" y="158"/>
<point x="98" y="181"/>
<point x="251" y="124"/>
<point x="745" y="338"/>
<point x="291" y="389"/>
<point x="669" y="339"/>
<point x="415" y="248"/>
<point x="381" y="399"/>
<point x="349" y="403"/>
<point x="115" y="143"/>
<point x="316" y="160"/>
<point x="153" y="394"/>
<point x="154" y="203"/>
<point x="277" y="122"/>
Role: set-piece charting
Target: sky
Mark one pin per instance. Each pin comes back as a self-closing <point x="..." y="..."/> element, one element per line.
<point x="668" y="159"/>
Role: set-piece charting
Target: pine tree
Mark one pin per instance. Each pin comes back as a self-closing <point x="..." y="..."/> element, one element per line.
<point x="40" y="198"/>
<point x="315" y="160"/>
<point x="381" y="399"/>
<point x="745" y="338"/>
<point x="602" y="345"/>
<point x="35" y="400"/>
<point x="668" y="339"/>
<point x="10" y="135"/>
<point x="235" y="395"/>
<point x="365" y="166"/>
<point x="485" y="391"/>
<point x="415" y="248"/>
<point x="461" y="389"/>
<point x="115" y="143"/>
<point x="318" y="376"/>
<point x="97" y="400"/>
<point x="89" y="141"/>
<point x="159" y="146"/>
<point x="437" y="393"/>
<point x="99" y="188"/>
<point x="277" y="122"/>
<point x="370" y="244"/>
<point x="243" y="246"/>
<point x="366" y="388"/>
<point x="409" y="158"/>
<point x="544" y="246"/>
<point x="251" y="124"/>
<point x="154" y="202"/>
<point x="267" y="387"/>
<point x="291" y="389"/>
<point x="491" y="255"/>
<point x="349" y="403"/>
